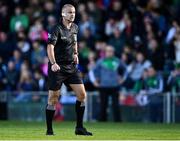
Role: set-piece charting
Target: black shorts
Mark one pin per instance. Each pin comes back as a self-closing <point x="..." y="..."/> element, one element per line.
<point x="70" y="76"/>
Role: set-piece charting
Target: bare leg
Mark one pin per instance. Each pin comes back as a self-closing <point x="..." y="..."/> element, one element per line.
<point x="79" y="91"/>
<point x="53" y="97"/>
<point x="80" y="107"/>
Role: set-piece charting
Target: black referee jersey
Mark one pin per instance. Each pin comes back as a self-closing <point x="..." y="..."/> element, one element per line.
<point x="63" y="40"/>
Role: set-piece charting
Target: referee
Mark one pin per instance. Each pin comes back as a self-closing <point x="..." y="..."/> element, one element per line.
<point x="63" y="57"/>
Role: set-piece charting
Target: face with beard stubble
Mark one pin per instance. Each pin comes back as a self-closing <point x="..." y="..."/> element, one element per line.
<point x="68" y="13"/>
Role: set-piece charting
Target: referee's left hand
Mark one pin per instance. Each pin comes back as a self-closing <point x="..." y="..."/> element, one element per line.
<point x="76" y="59"/>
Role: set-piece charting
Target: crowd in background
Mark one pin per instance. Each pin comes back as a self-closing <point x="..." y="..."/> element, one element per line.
<point x="145" y="35"/>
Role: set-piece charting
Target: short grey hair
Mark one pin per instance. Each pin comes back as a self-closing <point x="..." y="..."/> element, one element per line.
<point x="66" y="5"/>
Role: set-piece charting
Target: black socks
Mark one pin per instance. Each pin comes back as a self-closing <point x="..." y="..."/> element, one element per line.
<point x="80" y="107"/>
<point x="49" y="117"/>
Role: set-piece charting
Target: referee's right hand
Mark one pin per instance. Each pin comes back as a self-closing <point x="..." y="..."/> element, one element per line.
<point x="55" y="67"/>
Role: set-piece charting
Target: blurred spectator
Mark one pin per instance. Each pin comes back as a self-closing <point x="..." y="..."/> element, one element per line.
<point x="174" y="79"/>
<point x="117" y="41"/>
<point x="96" y="14"/>
<point x="136" y="69"/>
<point x="156" y="54"/>
<point x="138" y="45"/>
<point x="110" y="26"/>
<point x="34" y="10"/>
<point x="37" y="32"/>
<point x="84" y="51"/>
<point x="136" y="13"/>
<point x="107" y="75"/>
<point x="19" y="21"/>
<point x="127" y="59"/>
<point x="2" y="74"/>
<point x="91" y="61"/>
<point x="160" y="22"/>
<point x="86" y="23"/>
<point x="103" y="3"/>
<point x="12" y="77"/>
<point x="153" y="87"/>
<point x="16" y="58"/>
<point x="89" y="38"/>
<point x="51" y="21"/>
<point x="123" y="24"/>
<point x="138" y="87"/>
<point x="40" y="83"/>
<point x="177" y="46"/>
<point x="172" y="31"/>
<point x="49" y="10"/>
<point x="116" y="10"/>
<point x="154" y="4"/>
<point x="80" y="10"/>
<point x="90" y="65"/>
<point x="6" y="47"/>
<point x="100" y="48"/>
<point x="38" y="54"/>
<point x="26" y="82"/>
<point x="23" y="45"/>
<point x="170" y="45"/>
<point x="4" y="18"/>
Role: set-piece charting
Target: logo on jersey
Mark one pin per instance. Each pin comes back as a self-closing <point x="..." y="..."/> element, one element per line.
<point x="49" y="35"/>
<point x="63" y="38"/>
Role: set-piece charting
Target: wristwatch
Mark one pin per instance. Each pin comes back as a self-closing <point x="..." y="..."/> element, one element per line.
<point x="53" y="63"/>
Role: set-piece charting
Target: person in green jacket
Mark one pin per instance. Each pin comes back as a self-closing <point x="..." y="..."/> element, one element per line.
<point x="19" y="20"/>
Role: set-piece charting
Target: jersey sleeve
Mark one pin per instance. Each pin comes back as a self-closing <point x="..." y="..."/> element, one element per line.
<point x="75" y="33"/>
<point x="76" y="29"/>
<point x="53" y="35"/>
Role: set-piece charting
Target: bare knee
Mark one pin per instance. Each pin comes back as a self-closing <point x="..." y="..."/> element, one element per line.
<point x="81" y="96"/>
<point x="53" y="97"/>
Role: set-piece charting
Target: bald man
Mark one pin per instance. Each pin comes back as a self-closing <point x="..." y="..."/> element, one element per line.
<point x="63" y="57"/>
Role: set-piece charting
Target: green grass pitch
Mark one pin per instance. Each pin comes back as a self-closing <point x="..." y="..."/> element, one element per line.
<point x="102" y="131"/>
